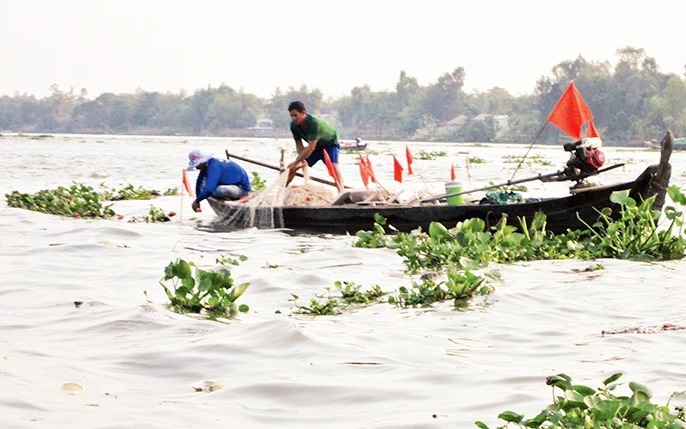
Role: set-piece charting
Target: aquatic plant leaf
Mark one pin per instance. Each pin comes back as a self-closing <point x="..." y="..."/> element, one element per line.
<point x="179" y="268"/>
<point x="676" y="195"/>
<point x="637" y="414"/>
<point x="622" y="198"/>
<point x="437" y="230"/>
<point x="379" y="219"/>
<point x="640" y="389"/>
<point x="562" y="381"/>
<point x="187" y="282"/>
<point x="473" y="225"/>
<point x="511" y="417"/>
<point x="672" y="214"/>
<point x="572" y="395"/>
<point x="238" y="290"/>
<point x="181" y="291"/>
<point x="537" y="421"/>
<point x="583" y="390"/>
<point x="592" y="401"/>
<point x="614" y="377"/>
<point x="469" y="263"/>
<point x="205" y="283"/>
<point x="606" y="409"/>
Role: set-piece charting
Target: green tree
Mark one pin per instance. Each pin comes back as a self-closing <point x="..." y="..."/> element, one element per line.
<point x="445" y="99"/>
<point x="277" y="107"/>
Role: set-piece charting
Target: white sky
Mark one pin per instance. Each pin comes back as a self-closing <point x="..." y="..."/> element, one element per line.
<point x="333" y="45"/>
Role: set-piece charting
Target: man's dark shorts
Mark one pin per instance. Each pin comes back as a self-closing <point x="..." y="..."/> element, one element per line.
<point x="318" y="155"/>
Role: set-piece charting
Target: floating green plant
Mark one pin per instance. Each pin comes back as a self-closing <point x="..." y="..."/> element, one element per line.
<point x="155" y="214"/>
<point x="128" y="192"/>
<point x="257" y="182"/>
<point x="349" y="295"/>
<point x="319" y="305"/>
<point x="194" y="290"/>
<point x="581" y="406"/>
<point x="425" y="155"/>
<point x="229" y="260"/>
<point x="636" y="234"/>
<point x="470" y="245"/>
<point x="78" y="200"/>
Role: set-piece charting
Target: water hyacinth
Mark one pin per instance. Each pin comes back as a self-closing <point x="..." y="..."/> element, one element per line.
<point x="581" y="406"/>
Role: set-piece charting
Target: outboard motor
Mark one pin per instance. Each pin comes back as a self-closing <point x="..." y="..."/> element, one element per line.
<point x="585" y="157"/>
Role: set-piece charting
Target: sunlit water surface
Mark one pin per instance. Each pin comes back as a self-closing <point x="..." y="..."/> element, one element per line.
<point x="378" y="367"/>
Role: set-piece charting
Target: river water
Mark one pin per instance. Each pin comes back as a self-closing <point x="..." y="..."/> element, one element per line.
<point x="141" y="365"/>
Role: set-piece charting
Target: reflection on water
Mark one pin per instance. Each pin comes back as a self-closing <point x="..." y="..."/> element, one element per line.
<point x="140" y="365"/>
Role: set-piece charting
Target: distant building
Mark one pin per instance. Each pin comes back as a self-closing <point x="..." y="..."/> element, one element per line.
<point x="264" y="127"/>
<point x="500" y="123"/>
<point x="457" y="122"/>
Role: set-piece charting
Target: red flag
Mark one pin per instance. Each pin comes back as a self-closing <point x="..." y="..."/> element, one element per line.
<point x="364" y="172"/>
<point x="329" y="166"/>
<point x="186" y="184"/>
<point x="409" y="159"/>
<point x="592" y="132"/>
<point x="397" y="170"/>
<point x="571" y="112"/>
<point x="452" y="171"/>
<point x="368" y="163"/>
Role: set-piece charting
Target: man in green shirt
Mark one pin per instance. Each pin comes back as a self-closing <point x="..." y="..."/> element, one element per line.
<point x="319" y="135"/>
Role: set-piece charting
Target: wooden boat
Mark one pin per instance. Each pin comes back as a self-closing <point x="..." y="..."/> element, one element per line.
<point x="352" y="145"/>
<point x="562" y="213"/>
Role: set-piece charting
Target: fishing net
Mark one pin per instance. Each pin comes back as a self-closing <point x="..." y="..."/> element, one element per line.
<point x="264" y="209"/>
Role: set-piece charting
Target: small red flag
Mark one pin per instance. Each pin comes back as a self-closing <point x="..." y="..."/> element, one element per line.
<point x="329" y="166"/>
<point x="592" y="132"/>
<point x="452" y="171"/>
<point x="397" y="170"/>
<point x="186" y="184"/>
<point x="571" y="112"/>
<point x="368" y="163"/>
<point x="364" y="172"/>
<point x="409" y="159"/>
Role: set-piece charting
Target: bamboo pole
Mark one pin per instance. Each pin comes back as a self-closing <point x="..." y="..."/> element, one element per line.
<point x="273" y="167"/>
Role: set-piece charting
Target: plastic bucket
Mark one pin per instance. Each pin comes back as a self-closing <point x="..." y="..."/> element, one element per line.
<point x="453" y="188"/>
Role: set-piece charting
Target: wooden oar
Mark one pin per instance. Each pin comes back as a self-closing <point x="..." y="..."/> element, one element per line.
<point x="540" y="177"/>
<point x="273" y="167"/>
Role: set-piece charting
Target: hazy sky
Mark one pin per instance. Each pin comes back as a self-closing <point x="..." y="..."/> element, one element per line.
<point x="333" y="45"/>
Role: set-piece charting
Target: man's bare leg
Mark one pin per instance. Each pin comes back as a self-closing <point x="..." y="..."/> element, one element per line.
<point x="339" y="176"/>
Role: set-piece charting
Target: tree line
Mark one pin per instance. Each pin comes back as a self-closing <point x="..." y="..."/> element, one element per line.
<point x="631" y="102"/>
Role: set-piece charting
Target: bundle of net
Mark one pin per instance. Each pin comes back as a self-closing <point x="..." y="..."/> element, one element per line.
<point x="264" y="209"/>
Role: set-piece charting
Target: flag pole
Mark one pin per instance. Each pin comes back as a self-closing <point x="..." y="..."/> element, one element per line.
<point x="181" y="208"/>
<point x="371" y="174"/>
<point x="538" y="134"/>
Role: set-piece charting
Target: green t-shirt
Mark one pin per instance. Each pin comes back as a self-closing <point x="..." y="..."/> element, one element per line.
<point x="315" y="129"/>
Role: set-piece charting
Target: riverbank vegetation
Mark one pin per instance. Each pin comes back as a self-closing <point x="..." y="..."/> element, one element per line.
<point x="632" y="101"/>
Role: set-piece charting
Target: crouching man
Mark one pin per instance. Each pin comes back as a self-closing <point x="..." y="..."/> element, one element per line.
<point x="219" y="178"/>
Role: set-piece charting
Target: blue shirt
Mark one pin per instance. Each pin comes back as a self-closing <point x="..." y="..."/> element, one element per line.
<point x="220" y="172"/>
